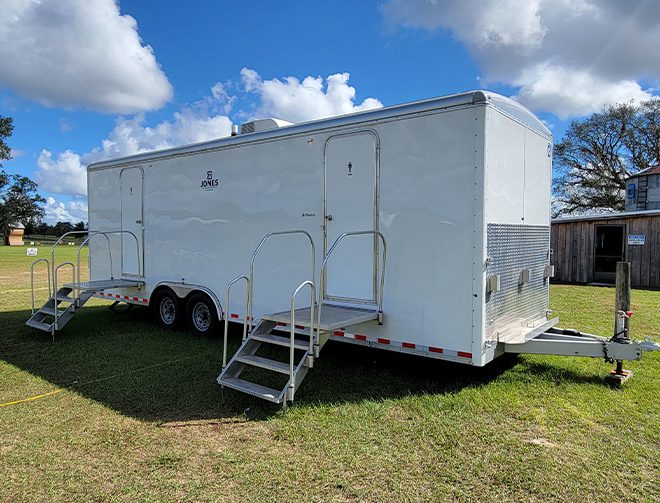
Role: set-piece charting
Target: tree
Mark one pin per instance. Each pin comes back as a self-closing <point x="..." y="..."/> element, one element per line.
<point x="6" y="129"/>
<point x="597" y="155"/>
<point x="19" y="200"/>
<point x="80" y="226"/>
<point x="62" y="228"/>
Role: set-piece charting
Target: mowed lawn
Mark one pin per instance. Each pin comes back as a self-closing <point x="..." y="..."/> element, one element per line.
<point x="140" y="417"/>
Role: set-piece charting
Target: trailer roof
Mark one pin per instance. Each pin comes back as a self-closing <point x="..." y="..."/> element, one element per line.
<point x="506" y="105"/>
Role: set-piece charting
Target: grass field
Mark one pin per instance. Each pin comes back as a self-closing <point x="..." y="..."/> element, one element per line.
<point x="136" y="415"/>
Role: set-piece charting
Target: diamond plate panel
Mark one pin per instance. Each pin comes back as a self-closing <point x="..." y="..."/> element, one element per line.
<point x="517" y="308"/>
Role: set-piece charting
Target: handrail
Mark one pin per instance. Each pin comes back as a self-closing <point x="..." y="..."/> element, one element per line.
<point x="324" y="267"/>
<point x="293" y="330"/>
<point x="59" y="240"/>
<point x="32" y="278"/>
<point x="90" y="236"/>
<point x="73" y="279"/>
<point x="254" y="256"/>
<point x="247" y="294"/>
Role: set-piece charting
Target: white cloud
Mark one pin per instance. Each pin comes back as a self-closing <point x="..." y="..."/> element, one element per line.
<point x="311" y="98"/>
<point x="567" y="92"/>
<point x="79" y="53"/>
<point x="63" y="174"/>
<point x="71" y="211"/>
<point x="568" y="57"/>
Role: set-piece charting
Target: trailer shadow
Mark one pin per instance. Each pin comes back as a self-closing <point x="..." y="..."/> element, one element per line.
<point x="122" y="360"/>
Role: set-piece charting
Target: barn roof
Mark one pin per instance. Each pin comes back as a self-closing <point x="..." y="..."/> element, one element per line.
<point x="607" y="216"/>
<point x="652" y="170"/>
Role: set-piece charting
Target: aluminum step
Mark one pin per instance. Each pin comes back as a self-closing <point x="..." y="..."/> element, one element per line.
<point x="264" y="363"/>
<point x="65" y="298"/>
<point x="254" y="389"/>
<point x="281" y="341"/>
<point x="332" y="316"/>
<point x="50" y="311"/>
<point x="39" y="325"/>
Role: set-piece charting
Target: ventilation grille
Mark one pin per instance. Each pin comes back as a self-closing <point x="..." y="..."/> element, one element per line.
<point x="516" y="308"/>
<point x="248" y="127"/>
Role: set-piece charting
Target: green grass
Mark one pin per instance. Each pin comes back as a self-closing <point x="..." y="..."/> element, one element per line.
<point x="142" y="419"/>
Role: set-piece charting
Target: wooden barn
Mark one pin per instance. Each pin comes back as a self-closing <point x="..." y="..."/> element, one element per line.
<point x="585" y="249"/>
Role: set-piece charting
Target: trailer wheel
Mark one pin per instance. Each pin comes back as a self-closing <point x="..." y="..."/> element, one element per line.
<point x="167" y="308"/>
<point x="201" y="315"/>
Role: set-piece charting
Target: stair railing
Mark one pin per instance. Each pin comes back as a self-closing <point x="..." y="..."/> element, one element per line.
<point x="55" y="290"/>
<point x="76" y="290"/>
<point x="105" y="234"/>
<point x="254" y="256"/>
<point x="227" y="311"/>
<point x="32" y="279"/>
<point x="324" y="267"/>
<point x="312" y="290"/>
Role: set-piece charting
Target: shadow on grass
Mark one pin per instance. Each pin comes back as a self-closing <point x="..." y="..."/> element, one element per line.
<point x="122" y="360"/>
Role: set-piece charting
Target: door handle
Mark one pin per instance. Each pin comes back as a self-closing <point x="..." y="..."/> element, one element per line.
<point x="328" y="218"/>
<point x="138" y="221"/>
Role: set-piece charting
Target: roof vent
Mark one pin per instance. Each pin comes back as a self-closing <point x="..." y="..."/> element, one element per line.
<point x="263" y="125"/>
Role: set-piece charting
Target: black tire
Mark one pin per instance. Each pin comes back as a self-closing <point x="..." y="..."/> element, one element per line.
<point x="201" y="315"/>
<point x="168" y="309"/>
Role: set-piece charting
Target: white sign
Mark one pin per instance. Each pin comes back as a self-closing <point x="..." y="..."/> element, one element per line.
<point x="636" y="239"/>
<point x="31" y="252"/>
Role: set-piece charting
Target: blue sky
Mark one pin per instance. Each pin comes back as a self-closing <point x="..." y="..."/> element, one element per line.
<point x="90" y="79"/>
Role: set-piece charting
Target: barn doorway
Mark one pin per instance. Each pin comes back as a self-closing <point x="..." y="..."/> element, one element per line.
<point x="609" y="250"/>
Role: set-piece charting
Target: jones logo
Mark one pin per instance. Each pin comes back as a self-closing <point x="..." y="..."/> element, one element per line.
<point x="210" y="183"/>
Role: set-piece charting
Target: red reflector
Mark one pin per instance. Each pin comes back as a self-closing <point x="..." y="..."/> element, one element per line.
<point x="360" y="337"/>
<point x="146" y="301"/>
<point x="101" y="294"/>
<point x="435" y="350"/>
<point x="629" y="313"/>
<point x="338" y="333"/>
<point x="407" y="345"/>
<point x="135" y="299"/>
<point x="300" y="327"/>
<point x="463" y="354"/>
<point x="281" y="324"/>
<point x="234" y="315"/>
<point x="126" y="297"/>
<point x="383" y="341"/>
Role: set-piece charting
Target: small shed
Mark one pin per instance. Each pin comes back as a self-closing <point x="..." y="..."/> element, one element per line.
<point x="15" y="237"/>
<point x="585" y="249"/>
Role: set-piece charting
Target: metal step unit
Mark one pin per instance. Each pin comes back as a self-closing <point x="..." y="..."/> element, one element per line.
<point x="64" y="302"/>
<point x="332" y="317"/>
<point x="309" y="329"/>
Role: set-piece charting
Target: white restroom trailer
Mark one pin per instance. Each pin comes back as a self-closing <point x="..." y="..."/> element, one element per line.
<point x="457" y="187"/>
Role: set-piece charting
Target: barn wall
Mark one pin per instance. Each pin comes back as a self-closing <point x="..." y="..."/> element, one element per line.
<point x="573" y="250"/>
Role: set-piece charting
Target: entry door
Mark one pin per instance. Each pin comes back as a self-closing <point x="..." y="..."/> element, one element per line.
<point x="351" y="193"/>
<point x="131" y="220"/>
<point x="609" y="250"/>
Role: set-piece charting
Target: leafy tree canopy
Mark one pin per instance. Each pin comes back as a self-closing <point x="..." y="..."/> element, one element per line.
<point x="597" y="155"/>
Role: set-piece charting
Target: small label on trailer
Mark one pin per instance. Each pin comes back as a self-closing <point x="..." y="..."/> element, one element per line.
<point x="210" y="183"/>
<point x="636" y="239"/>
<point x="31" y="252"/>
